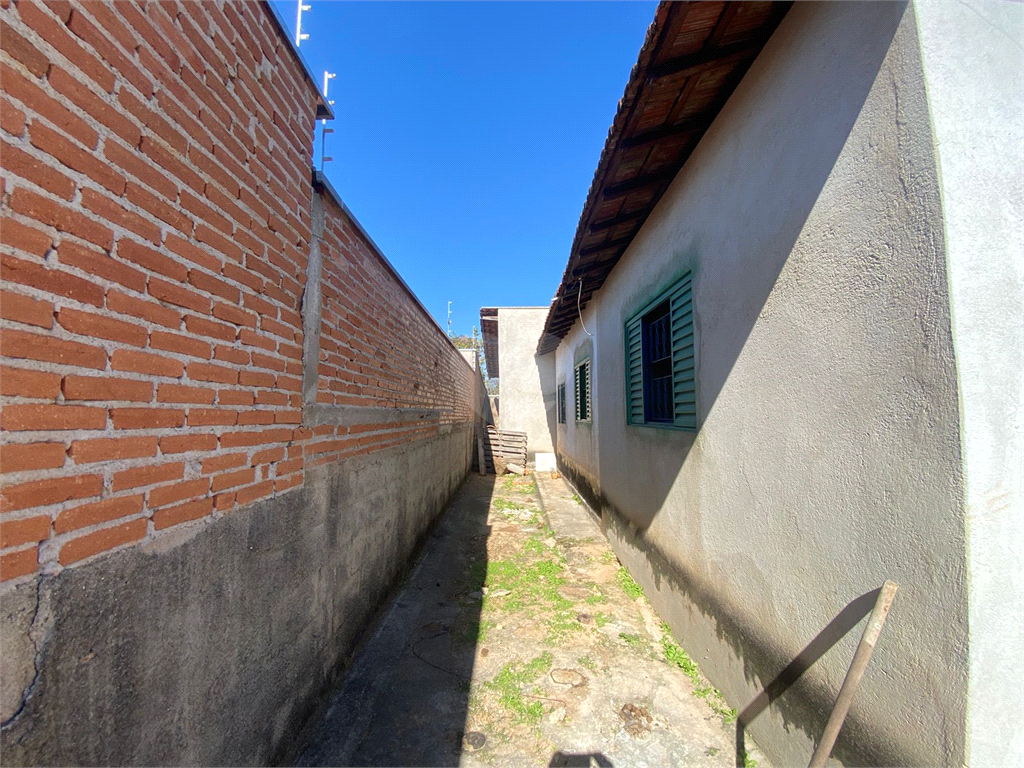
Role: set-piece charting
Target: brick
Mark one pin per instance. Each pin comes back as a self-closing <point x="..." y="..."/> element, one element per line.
<point x="144" y="310"/>
<point x="267" y="456"/>
<point x="146" y="418"/>
<point x="100" y="327"/>
<point x="180" y="296"/>
<point x="209" y="417"/>
<point x="171" y="494"/>
<point x="97" y="512"/>
<point x="18" y="382"/>
<point x="173" y="342"/>
<point x="264" y="437"/>
<point x="232" y="479"/>
<point x="24" y="238"/>
<point x="253" y="339"/>
<point x="64" y="219"/>
<point x="287" y="467"/>
<point x="208" y="372"/>
<point x="29" y="346"/>
<point x="231" y="354"/>
<point x="20" y="49"/>
<point x="286" y="483"/>
<point x="25" y="310"/>
<point x="193" y="510"/>
<point x="254" y="492"/>
<point x="12" y="119"/>
<point x="170" y="135"/>
<point x="148" y="475"/>
<point x="233" y="314"/>
<point x="54" y="281"/>
<point x="80" y="94"/>
<point x="251" y="378"/>
<point x="32" y="96"/>
<point x="223" y="461"/>
<point x="234" y="397"/>
<point x="107" y="388"/>
<point x="145" y="362"/>
<point x="28" y="530"/>
<point x="265" y="397"/>
<point x="288" y="417"/>
<point x="216" y="286"/>
<point x="23" y="457"/>
<point x="71" y="155"/>
<point x="179" y="393"/>
<point x="101" y="541"/>
<point x="203" y="327"/>
<point x="98" y="263"/>
<point x="91" y="34"/>
<point x="188" y="251"/>
<point x="189" y="442"/>
<point x="57" y="35"/>
<point x="219" y="243"/>
<point x="201" y="210"/>
<point x="151" y="259"/>
<point x="32" y="417"/>
<point x="157" y="206"/>
<point x="243" y="276"/>
<point x="115" y="212"/>
<point x="165" y="158"/>
<point x="54" y="490"/>
<point x="19" y="163"/>
<point x="224" y="501"/>
<point x="112" y="448"/>
<point x="14" y="565"/>
<point x="135" y="165"/>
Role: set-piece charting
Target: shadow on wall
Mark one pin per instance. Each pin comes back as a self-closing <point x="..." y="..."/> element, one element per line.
<point x="811" y="147"/>
<point x="405" y="698"/>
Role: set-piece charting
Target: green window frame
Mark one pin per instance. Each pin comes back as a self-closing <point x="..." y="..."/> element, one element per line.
<point x="561" y="403"/>
<point x="679" y="297"/>
<point x="581" y="378"/>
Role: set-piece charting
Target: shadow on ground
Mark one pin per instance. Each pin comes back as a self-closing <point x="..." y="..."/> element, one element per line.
<point x="404" y="700"/>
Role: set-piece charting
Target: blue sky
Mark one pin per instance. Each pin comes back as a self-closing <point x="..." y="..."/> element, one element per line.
<point x="467" y="134"/>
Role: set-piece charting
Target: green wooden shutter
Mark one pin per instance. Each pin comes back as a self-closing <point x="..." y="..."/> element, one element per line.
<point x="576" y="393"/>
<point x="684" y="389"/>
<point x="634" y="373"/>
<point x="590" y="412"/>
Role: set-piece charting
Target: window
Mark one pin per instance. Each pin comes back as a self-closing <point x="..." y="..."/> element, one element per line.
<point x="583" y="391"/>
<point x="660" y="372"/>
<point x="561" y="403"/>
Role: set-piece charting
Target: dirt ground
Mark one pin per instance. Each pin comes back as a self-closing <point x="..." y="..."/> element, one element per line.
<point x="513" y="645"/>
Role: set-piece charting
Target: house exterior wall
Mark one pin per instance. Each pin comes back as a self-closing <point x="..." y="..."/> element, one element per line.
<point x="525" y="386"/>
<point x="210" y="481"/>
<point x="972" y="70"/>
<point x="827" y="457"/>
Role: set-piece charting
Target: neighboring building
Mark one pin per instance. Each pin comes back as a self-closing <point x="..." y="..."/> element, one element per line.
<point x="799" y="267"/>
<point x="227" y="421"/>
<point x="510" y="342"/>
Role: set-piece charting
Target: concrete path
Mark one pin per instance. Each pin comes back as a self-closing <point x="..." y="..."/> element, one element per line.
<point x="516" y="644"/>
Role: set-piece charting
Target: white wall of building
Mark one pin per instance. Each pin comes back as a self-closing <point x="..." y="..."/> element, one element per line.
<point x="526" y="381"/>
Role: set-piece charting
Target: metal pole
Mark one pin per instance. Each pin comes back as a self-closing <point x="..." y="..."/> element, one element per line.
<point x="299" y="34"/>
<point x="853" y="675"/>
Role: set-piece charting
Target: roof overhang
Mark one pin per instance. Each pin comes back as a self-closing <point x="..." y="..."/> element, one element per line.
<point x="694" y="56"/>
<point x="489" y="332"/>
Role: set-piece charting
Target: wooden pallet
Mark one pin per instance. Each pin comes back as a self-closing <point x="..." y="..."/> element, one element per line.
<point x="505" y="444"/>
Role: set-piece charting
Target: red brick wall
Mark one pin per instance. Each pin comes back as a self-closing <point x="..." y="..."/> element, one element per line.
<point x="153" y="244"/>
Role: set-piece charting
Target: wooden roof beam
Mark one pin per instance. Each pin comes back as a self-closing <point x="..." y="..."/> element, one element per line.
<point x="702" y="61"/>
<point x="620" y="243"/>
<point x="638" y="183"/>
<point x="698" y="122"/>
<point x="622" y="218"/>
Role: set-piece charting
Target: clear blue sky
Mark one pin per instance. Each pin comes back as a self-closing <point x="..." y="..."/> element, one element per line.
<point x="467" y="134"/>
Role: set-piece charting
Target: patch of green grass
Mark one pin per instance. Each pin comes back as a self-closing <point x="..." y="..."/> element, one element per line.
<point x="509" y="483"/>
<point x="601" y="619"/>
<point x="576" y="498"/>
<point x="535" y="545"/>
<point x="586" y="661"/>
<point x="608" y="557"/>
<point x="678" y="657"/>
<point x="748" y="761"/>
<point x="562" y="624"/>
<point x="509" y="682"/>
<point x="502" y="504"/>
<point x="633" y="641"/>
<point x="629" y="586"/>
<point x="597" y="597"/>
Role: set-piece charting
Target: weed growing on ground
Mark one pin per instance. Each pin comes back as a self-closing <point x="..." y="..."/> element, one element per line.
<point x="601" y="619"/>
<point x="586" y="661"/>
<point x="608" y="557"/>
<point x="678" y="657"/>
<point x="633" y="641"/>
<point x="598" y="597"/>
<point x="509" y="682"/>
<point x="576" y="498"/>
<point x="629" y="586"/>
<point x="508" y="484"/>
<point x="503" y="505"/>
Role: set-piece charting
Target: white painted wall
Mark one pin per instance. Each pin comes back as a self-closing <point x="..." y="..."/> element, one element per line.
<point x="973" y="55"/>
<point x="828" y="456"/>
<point x="526" y="381"/>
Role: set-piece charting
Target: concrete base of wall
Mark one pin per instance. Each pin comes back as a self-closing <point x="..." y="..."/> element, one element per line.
<point x="216" y="644"/>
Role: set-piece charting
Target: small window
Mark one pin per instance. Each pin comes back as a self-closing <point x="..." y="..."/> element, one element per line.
<point x="561" y="403"/>
<point x="583" y="391"/>
<point x="660" y="363"/>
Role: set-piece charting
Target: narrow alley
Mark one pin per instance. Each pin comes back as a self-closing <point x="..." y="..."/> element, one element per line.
<point x="518" y="639"/>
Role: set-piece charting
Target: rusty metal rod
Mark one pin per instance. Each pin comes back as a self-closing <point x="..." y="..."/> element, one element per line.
<point x="853" y="675"/>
